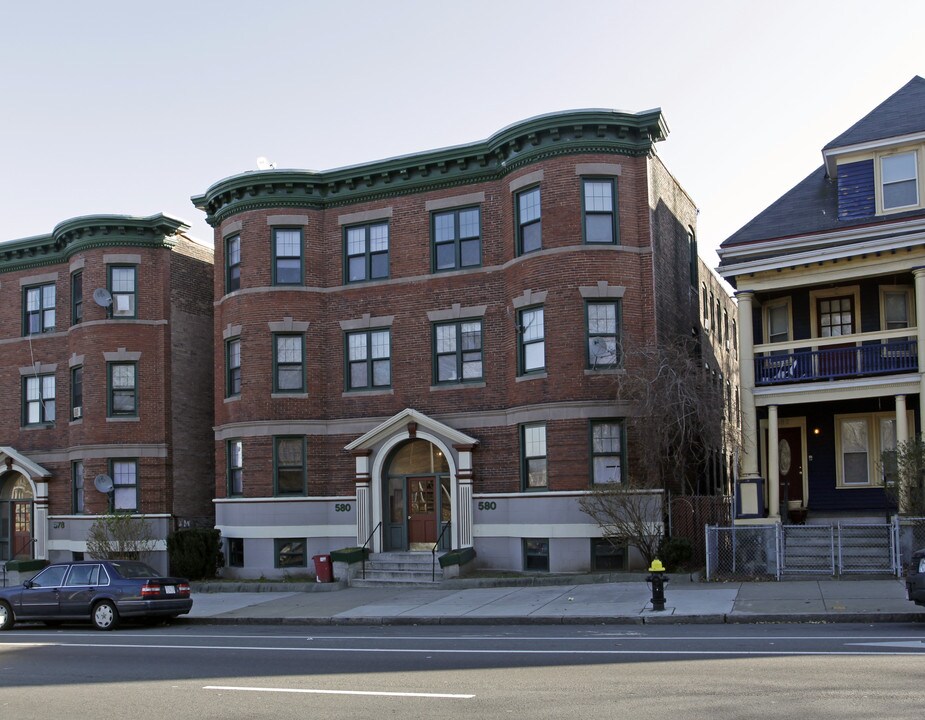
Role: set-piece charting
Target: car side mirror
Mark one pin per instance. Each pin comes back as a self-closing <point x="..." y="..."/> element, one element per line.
<point x="28" y="584"/>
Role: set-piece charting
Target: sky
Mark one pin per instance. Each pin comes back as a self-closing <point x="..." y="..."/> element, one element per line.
<point x="123" y="107"/>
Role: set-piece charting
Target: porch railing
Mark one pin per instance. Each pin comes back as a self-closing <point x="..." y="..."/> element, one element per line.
<point x="867" y="359"/>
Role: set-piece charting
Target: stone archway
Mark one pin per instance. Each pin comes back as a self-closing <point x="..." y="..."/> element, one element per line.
<point x="17" y="517"/>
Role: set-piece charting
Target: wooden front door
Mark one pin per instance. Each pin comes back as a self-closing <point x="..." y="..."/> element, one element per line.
<point x="21" y="510"/>
<point x="790" y="462"/>
<point x="422" y="512"/>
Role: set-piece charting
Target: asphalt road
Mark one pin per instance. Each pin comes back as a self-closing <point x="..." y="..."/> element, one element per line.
<point x="678" y="671"/>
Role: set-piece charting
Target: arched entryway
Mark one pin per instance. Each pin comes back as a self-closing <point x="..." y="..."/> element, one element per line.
<point x="17" y="517"/>
<point x="417" y="497"/>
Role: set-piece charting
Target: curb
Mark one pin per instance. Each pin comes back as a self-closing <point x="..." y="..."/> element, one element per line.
<point x="646" y="619"/>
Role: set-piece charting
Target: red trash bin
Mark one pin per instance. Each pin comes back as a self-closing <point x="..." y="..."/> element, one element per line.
<point x="324" y="571"/>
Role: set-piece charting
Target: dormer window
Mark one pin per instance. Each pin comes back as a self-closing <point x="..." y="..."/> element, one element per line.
<point x="899" y="178"/>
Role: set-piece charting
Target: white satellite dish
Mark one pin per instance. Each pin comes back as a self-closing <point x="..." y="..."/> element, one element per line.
<point x="103" y="483"/>
<point x="264" y="164"/>
<point x="102" y="297"/>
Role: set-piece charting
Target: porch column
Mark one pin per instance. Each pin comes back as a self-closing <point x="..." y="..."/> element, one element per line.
<point x="463" y="535"/>
<point x="40" y="520"/>
<point x="902" y="426"/>
<point x="919" y="274"/>
<point x="364" y="500"/>
<point x="747" y="386"/>
<point x="773" y="464"/>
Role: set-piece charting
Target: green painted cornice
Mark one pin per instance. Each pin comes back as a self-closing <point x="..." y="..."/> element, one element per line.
<point x="89" y="231"/>
<point x="563" y="133"/>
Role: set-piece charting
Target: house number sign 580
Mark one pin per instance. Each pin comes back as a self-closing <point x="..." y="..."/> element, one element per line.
<point x="341" y="507"/>
<point x="488" y="505"/>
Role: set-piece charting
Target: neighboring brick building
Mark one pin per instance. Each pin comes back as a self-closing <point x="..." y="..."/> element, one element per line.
<point x="431" y="344"/>
<point x="91" y="390"/>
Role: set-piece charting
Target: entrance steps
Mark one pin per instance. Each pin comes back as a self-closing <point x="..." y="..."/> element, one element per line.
<point x="397" y="569"/>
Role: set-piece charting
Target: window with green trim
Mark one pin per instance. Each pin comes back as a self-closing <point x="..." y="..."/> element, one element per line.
<point x="289" y="466"/>
<point x="367" y="252"/>
<point x="233" y="263"/>
<point x="77" y="300"/>
<point x="39" y="399"/>
<point x="123" y="288"/>
<point x="77" y="486"/>
<point x="233" y="367"/>
<point x="529" y="221"/>
<point x="531" y="356"/>
<point x="533" y="456"/>
<point x="457" y="236"/>
<point x="235" y="467"/>
<point x="603" y="325"/>
<point x="458" y="351"/>
<point x="290" y="553"/>
<point x="38" y="309"/>
<point x="599" y="203"/>
<point x="123" y="394"/>
<point x="289" y="363"/>
<point x="606" y="451"/>
<point x="77" y="392"/>
<point x="369" y="363"/>
<point x="536" y="554"/>
<point x="124" y="475"/>
<point x="287" y="256"/>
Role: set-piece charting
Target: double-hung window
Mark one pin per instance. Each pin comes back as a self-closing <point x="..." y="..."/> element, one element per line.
<point x="77" y="392"/>
<point x="233" y="263"/>
<point x="899" y="180"/>
<point x="855" y="442"/>
<point x="287" y="256"/>
<point x="603" y="334"/>
<point x="77" y="301"/>
<point x="122" y="286"/>
<point x="233" y="367"/>
<point x="289" y="466"/>
<point x="39" y="309"/>
<point x="369" y="363"/>
<point x="123" y="395"/>
<point x="529" y="221"/>
<point x="533" y="456"/>
<point x="600" y="224"/>
<point x="457" y="238"/>
<point x="779" y="322"/>
<point x="896" y="308"/>
<point x="458" y="351"/>
<point x="38" y="399"/>
<point x="367" y="252"/>
<point x="125" y="484"/>
<point x="289" y="363"/>
<point x="235" y="467"/>
<point x="77" y="486"/>
<point x="532" y="345"/>
<point x="606" y="451"/>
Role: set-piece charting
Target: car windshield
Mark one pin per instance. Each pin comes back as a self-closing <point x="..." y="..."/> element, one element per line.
<point x="131" y="570"/>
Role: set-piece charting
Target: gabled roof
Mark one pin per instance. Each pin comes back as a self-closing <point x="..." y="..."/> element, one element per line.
<point x="903" y="113"/>
<point x="811" y="206"/>
<point x="399" y="423"/>
<point x="32" y="468"/>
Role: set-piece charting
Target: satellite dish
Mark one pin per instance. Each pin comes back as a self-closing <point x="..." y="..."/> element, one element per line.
<point x="102" y="297"/>
<point x="264" y="164"/>
<point x="103" y="483"/>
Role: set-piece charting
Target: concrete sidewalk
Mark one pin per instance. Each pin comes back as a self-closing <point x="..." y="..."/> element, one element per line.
<point x="875" y="600"/>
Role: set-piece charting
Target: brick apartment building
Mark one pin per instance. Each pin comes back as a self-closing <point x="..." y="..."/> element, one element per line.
<point x="105" y="325"/>
<point x="425" y="350"/>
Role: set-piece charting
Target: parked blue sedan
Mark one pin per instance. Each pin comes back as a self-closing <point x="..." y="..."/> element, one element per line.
<point x="103" y="592"/>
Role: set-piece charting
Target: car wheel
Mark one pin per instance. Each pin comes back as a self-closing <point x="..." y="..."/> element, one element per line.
<point x="105" y="616"/>
<point x="6" y="616"/>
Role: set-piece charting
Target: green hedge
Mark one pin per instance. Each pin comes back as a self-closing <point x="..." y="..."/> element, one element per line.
<point x="349" y="554"/>
<point x="195" y="553"/>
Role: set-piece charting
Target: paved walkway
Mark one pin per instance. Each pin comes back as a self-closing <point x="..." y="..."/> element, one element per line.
<point x="876" y="600"/>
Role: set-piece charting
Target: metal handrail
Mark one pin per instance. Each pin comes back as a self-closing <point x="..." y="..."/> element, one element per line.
<point x="433" y="553"/>
<point x="363" y="549"/>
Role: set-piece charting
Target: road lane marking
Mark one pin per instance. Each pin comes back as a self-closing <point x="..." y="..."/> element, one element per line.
<point x="896" y="643"/>
<point x="341" y="692"/>
<point x="474" y="651"/>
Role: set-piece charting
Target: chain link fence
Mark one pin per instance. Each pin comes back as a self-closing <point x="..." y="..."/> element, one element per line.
<point x="776" y="551"/>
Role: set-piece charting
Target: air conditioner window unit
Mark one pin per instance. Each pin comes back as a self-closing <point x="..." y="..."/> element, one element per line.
<point x="78" y="412"/>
